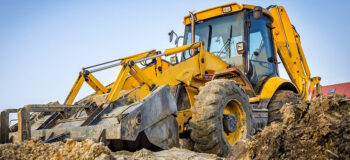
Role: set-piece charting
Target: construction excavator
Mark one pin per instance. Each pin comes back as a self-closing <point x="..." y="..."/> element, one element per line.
<point x="220" y="86"/>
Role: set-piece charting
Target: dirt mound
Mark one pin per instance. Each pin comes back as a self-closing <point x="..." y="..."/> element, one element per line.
<point x="172" y="154"/>
<point x="319" y="129"/>
<point x="88" y="150"/>
<point x="35" y="149"/>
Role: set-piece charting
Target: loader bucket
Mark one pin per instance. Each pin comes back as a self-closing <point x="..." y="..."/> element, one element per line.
<point x="153" y="118"/>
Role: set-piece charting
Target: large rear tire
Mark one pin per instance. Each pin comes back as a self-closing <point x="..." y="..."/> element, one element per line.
<point x="215" y="102"/>
<point x="280" y="98"/>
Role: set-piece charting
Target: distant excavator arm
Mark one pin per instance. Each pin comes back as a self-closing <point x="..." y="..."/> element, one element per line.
<point x="288" y="45"/>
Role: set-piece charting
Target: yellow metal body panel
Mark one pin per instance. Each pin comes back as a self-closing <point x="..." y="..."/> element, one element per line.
<point x="182" y="118"/>
<point x="75" y="89"/>
<point x="172" y="51"/>
<point x="140" y="76"/>
<point x="191" y="92"/>
<point x="190" y="68"/>
<point x="139" y="56"/>
<point x="117" y="86"/>
<point x="151" y="72"/>
<point x="271" y="86"/>
<point x="315" y="81"/>
<point x="95" y="84"/>
<point x="217" y="11"/>
<point x="139" y="93"/>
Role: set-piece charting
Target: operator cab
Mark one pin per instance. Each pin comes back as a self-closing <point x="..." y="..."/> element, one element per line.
<point x="222" y="35"/>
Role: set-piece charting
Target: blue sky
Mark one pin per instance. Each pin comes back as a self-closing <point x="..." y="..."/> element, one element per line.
<point x="44" y="44"/>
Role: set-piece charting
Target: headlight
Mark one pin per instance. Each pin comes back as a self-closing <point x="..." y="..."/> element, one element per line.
<point x="226" y="9"/>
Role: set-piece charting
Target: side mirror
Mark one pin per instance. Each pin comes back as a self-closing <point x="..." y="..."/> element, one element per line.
<point x="171" y="35"/>
<point x="177" y="40"/>
<point x="257" y="12"/>
<point x="174" y="60"/>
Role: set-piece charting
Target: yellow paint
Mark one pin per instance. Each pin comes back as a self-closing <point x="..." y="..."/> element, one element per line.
<point x="217" y="11"/>
<point x="172" y="51"/>
<point x="139" y="93"/>
<point x="159" y="66"/>
<point x="117" y="86"/>
<point x="75" y="89"/>
<point x="315" y="83"/>
<point x="287" y="42"/>
<point x="140" y="76"/>
<point x="191" y="67"/>
<point x="271" y="86"/>
<point x="235" y="108"/>
<point x="139" y="56"/>
<point x="254" y="99"/>
<point x="182" y="118"/>
<point x="191" y="93"/>
<point x="95" y="84"/>
<point x="150" y="71"/>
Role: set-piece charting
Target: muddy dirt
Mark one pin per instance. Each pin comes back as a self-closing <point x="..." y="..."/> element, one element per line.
<point x="319" y="129"/>
<point x="88" y="150"/>
<point x="174" y="153"/>
<point x="35" y="149"/>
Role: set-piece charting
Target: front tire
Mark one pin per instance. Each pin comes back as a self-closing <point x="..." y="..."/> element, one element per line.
<point x="216" y="101"/>
<point x="280" y="98"/>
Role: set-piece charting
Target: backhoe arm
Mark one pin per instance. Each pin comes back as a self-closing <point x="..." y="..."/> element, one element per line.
<point x="288" y="45"/>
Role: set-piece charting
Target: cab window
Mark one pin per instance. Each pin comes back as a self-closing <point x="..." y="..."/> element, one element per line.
<point x="261" y="50"/>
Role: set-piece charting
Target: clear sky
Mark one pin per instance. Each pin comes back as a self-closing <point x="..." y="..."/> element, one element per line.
<point x="44" y="44"/>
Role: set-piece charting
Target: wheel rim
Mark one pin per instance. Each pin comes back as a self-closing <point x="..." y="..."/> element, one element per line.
<point x="235" y="108"/>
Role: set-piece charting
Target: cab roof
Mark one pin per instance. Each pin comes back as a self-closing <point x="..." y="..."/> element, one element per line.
<point x="219" y="10"/>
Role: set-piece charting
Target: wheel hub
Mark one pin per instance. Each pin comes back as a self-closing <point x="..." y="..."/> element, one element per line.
<point x="230" y="123"/>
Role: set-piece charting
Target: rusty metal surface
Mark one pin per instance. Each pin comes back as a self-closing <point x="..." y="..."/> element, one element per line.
<point x="93" y="115"/>
<point x="155" y="107"/>
<point x="4" y="127"/>
<point x="50" y="121"/>
<point x="164" y="134"/>
<point x="24" y="131"/>
<point x="57" y="138"/>
<point x="52" y="108"/>
<point x="81" y="133"/>
<point x="154" y="115"/>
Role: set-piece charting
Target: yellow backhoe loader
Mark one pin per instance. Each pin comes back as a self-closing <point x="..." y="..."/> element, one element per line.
<point x="221" y="86"/>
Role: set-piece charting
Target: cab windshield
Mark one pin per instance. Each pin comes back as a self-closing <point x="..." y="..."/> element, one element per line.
<point x="220" y="36"/>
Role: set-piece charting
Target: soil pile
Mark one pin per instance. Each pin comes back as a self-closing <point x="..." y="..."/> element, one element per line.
<point x="35" y="149"/>
<point x="319" y="129"/>
<point x="89" y="150"/>
<point x="172" y="154"/>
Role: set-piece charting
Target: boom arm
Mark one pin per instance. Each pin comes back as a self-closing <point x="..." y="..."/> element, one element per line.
<point x="129" y="67"/>
<point x="288" y="45"/>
